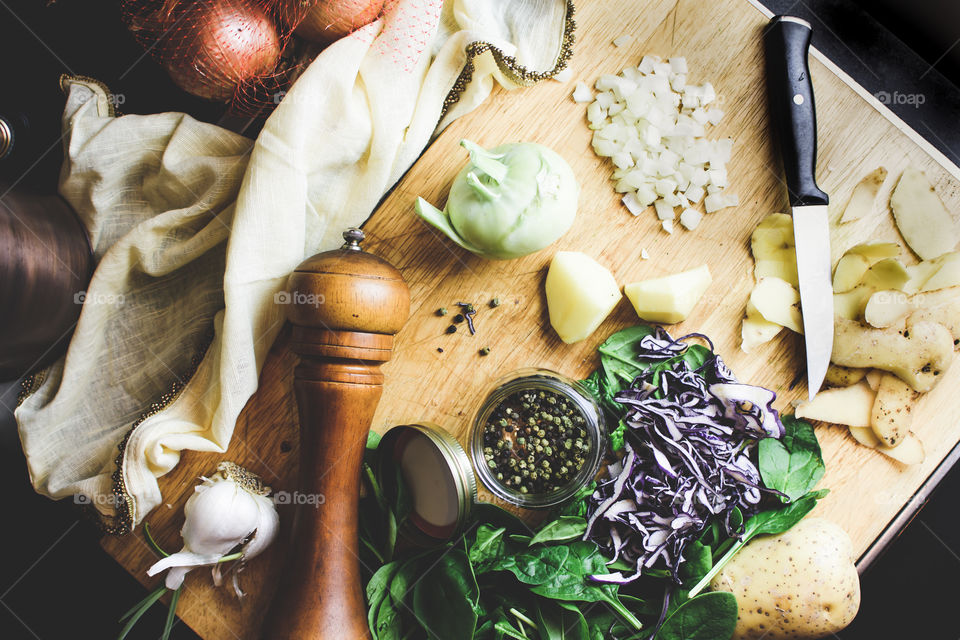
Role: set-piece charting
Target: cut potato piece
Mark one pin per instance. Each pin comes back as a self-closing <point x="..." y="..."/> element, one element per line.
<point x="838" y="376"/>
<point x="947" y="273"/>
<point x="892" y="413"/>
<point x="876" y="251"/>
<point x="756" y="329"/>
<point x="778" y="302"/>
<point x="581" y="293"/>
<point x="849" y="272"/>
<point x="918" y="354"/>
<point x="919" y="275"/>
<point x="669" y="299"/>
<point x="909" y="451"/>
<point x="850" y="305"/>
<point x="773" y="249"/>
<point x="850" y="406"/>
<point x="866" y="437"/>
<point x="921" y="217"/>
<point x="863" y="200"/>
<point x="873" y="378"/>
<point x="888" y="273"/>
<point x="887" y="308"/>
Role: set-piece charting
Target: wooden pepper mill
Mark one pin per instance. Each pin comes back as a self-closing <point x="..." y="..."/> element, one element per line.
<point x="345" y="307"/>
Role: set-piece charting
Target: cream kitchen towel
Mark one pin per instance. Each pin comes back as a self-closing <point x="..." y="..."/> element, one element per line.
<point x="195" y="230"/>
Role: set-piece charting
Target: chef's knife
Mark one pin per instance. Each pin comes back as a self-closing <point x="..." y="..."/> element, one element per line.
<point x="787" y="41"/>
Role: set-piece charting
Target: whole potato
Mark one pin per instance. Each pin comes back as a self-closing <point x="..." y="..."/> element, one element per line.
<point x="801" y="584"/>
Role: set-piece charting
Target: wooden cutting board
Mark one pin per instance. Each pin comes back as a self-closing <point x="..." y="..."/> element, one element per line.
<point x="721" y="41"/>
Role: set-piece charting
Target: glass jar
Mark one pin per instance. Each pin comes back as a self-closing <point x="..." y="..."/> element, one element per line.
<point x="505" y="391"/>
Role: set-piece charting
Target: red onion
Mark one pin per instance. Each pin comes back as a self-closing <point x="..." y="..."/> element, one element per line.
<point x="330" y="20"/>
<point x="211" y="47"/>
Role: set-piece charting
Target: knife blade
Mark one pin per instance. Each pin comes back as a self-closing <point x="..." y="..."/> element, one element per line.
<point x="793" y="116"/>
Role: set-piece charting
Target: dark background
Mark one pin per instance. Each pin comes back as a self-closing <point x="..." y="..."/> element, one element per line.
<point x="56" y="582"/>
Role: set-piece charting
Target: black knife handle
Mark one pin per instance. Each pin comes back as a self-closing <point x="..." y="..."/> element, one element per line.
<point x="787" y="41"/>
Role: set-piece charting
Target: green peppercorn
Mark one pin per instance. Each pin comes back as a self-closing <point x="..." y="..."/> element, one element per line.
<point x="442" y="311"/>
<point x="495" y="303"/>
<point x="523" y="490"/>
<point x="485" y="351"/>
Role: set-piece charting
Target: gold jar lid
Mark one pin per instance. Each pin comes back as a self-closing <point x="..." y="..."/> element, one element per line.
<point x="428" y="463"/>
<point x="6" y="138"/>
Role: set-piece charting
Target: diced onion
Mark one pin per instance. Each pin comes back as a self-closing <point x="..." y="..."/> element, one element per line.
<point x="652" y="124"/>
<point x="564" y="75"/>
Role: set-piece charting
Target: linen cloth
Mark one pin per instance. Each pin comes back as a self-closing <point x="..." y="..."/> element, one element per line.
<point x="195" y="229"/>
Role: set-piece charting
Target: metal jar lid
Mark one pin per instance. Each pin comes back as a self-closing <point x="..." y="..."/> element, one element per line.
<point x="437" y="473"/>
<point x="6" y="138"/>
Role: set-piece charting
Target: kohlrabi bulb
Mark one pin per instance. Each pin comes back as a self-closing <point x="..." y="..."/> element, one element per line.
<point x="507" y="202"/>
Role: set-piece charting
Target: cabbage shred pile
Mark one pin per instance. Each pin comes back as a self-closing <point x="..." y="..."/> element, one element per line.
<point x="690" y="432"/>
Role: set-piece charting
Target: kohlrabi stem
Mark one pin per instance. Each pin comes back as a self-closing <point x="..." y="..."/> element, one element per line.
<point x="479" y="187"/>
<point x="717" y="568"/>
<point x="486" y="162"/>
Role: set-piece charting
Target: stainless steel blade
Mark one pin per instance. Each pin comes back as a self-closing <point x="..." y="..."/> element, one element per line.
<point x="811" y="230"/>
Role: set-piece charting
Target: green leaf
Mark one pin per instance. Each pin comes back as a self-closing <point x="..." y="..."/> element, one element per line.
<point x="373" y="440"/>
<point x="534" y="566"/>
<point x="792" y="465"/>
<point x="171" y="614"/>
<point x="562" y="529"/>
<point x="560" y="621"/>
<point x="487" y="548"/>
<point x="577" y="504"/>
<point x="139" y="609"/>
<point x="381" y="615"/>
<point x="445" y="599"/>
<point x="711" y="616"/>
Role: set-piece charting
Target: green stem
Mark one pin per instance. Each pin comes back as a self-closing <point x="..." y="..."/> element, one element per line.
<point x="486" y="162"/>
<point x="171" y="614"/>
<point x="520" y="616"/>
<point x="479" y="187"/>
<point x="153" y="543"/>
<point x="231" y="557"/>
<point x="625" y="613"/>
<point x="718" y="567"/>
<point x="139" y="609"/>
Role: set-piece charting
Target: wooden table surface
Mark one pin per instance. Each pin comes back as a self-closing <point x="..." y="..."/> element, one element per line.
<point x="721" y="41"/>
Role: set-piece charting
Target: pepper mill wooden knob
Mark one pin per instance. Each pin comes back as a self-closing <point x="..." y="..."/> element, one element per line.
<point x="345" y="306"/>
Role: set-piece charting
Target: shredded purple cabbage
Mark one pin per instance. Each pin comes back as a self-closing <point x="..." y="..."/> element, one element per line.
<point x="687" y="462"/>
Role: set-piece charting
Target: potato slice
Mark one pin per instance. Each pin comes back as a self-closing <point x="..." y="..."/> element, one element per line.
<point x="866" y="437"/>
<point x="838" y="376"/>
<point x="849" y="272"/>
<point x="892" y="413"/>
<point x="888" y="273"/>
<point x="669" y="299"/>
<point x="873" y="378"/>
<point x="947" y="273"/>
<point x="773" y="249"/>
<point x="778" y="302"/>
<point x="918" y="354"/>
<point x="909" y="451"/>
<point x="756" y="329"/>
<point x="863" y="200"/>
<point x="850" y="305"/>
<point x="887" y="308"/>
<point x="581" y="293"/>
<point x="919" y="275"/>
<point x="850" y="406"/>
<point x="921" y="217"/>
<point x="876" y="251"/>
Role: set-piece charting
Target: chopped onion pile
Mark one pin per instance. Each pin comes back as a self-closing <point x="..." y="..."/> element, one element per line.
<point x="652" y="126"/>
<point x="688" y="445"/>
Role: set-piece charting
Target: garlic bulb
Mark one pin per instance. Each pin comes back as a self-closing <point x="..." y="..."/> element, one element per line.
<point x="230" y="508"/>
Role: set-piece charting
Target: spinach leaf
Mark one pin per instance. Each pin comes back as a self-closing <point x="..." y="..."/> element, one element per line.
<point x="534" y="566"/>
<point x="560" y="621"/>
<point x="488" y="547"/>
<point x="792" y="465"/>
<point x="711" y="616"/>
<point x="382" y="616"/>
<point x="446" y="597"/>
<point x="562" y="529"/>
<point x="578" y="503"/>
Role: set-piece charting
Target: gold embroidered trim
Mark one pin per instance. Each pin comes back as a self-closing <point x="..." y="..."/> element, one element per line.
<point x="508" y="64"/>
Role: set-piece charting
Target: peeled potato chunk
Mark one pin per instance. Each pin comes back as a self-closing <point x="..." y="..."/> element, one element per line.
<point x="774" y="250"/>
<point x="756" y="329"/>
<point x="892" y="413"/>
<point x="909" y="451"/>
<point x="850" y="406"/>
<point x="947" y="273"/>
<point x="778" y="302"/>
<point x="923" y="221"/>
<point x="669" y="299"/>
<point x="838" y="376"/>
<point x="581" y="293"/>
<point x="849" y="272"/>
<point x="799" y="584"/>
